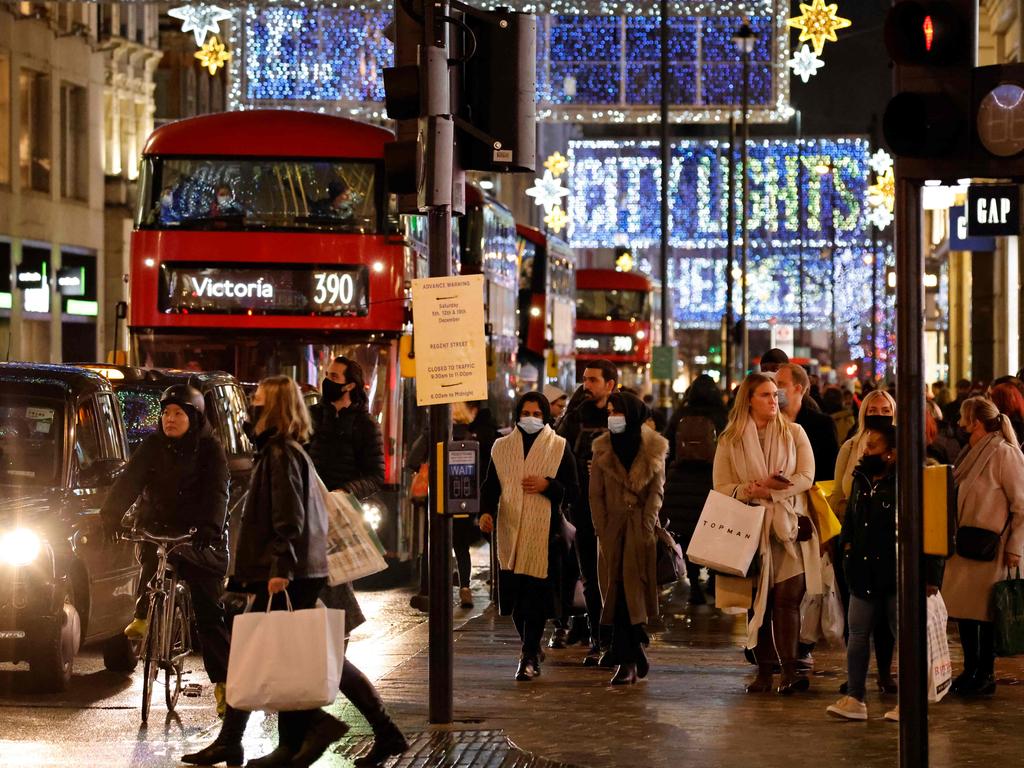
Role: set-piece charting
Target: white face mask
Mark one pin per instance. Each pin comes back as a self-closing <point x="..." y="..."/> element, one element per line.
<point x="167" y="200"/>
<point x="223" y="199"/>
<point x="531" y="424"/>
<point x="617" y="424"/>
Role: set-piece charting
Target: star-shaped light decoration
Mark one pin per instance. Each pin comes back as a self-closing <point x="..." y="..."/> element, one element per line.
<point x="547" y="192"/>
<point x="556" y="219"/>
<point x="818" y="22"/>
<point x="805" y="63"/>
<point x="880" y="216"/>
<point x="557" y="164"/>
<point x="880" y="161"/>
<point x="882" y="194"/>
<point x="212" y="55"/>
<point x="200" y="19"/>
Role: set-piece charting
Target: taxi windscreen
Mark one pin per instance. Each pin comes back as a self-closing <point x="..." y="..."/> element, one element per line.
<point x="31" y="440"/>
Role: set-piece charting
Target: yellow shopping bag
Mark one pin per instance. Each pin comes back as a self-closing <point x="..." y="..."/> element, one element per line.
<point x="825" y="520"/>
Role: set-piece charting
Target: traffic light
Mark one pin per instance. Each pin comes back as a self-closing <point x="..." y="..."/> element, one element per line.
<point x="997" y="129"/>
<point x="927" y="121"/>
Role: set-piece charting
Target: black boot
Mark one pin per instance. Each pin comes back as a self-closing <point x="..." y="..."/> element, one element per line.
<point x="280" y="757"/>
<point x="558" y="638"/>
<point x="387" y="742"/>
<point x="625" y="675"/>
<point x="527" y="669"/>
<point x="323" y="731"/>
<point x="387" y="738"/>
<point x="643" y="666"/>
<point x="227" y="747"/>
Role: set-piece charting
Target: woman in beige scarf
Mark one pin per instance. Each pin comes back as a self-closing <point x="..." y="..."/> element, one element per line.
<point x="765" y="460"/>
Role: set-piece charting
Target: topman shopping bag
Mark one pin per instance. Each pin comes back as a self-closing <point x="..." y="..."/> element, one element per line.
<point x="286" y="660"/>
<point x="351" y="552"/>
<point x="940" y="668"/>
<point x="727" y="535"/>
<point x="1008" y="606"/>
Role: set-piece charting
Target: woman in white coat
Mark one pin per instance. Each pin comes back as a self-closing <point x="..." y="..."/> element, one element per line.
<point x="990" y="510"/>
<point x="764" y="459"/>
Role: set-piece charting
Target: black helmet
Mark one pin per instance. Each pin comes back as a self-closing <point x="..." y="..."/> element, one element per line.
<point x="189" y="399"/>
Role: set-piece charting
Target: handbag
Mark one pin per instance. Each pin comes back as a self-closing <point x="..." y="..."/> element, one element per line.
<point x="940" y="668"/>
<point x="281" y="661"/>
<point x="1008" y="607"/>
<point x="727" y="536"/>
<point x="825" y="519"/>
<point x="978" y="544"/>
<point x="670" y="564"/>
<point x="352" y="553"/>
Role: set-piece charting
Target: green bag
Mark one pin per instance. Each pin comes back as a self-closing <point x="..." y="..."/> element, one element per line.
<point x="1008" y="607"/>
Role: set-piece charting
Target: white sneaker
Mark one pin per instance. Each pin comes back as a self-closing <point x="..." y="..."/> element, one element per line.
<point x="848" y="708"/>
<point x="893" y="715"/>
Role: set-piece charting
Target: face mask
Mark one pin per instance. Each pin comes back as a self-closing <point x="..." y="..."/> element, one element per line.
<point x="531" y="424"/>
<point x="873" y="465"/>
<point x="783" y="400"/>
<point x="616" y="424"/>
<point x="167" y="200"/>
<point x="877" y="422"/>
<point x="223" y="199"/>
<point x="333" y="391"/>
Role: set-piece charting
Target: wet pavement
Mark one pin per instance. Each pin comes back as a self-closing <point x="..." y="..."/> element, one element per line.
<point x="691" y="711"/>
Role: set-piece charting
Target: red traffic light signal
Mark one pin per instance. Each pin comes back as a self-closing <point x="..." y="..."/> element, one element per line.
<point x="927" y="34"/>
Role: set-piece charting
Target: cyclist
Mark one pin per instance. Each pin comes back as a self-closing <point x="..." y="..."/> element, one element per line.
<point x="180" y="476"/>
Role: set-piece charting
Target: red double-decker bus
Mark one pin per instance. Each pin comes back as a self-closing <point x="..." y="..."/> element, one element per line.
<point x="613" y="321"/>
<point x="547" y="306"/>
<point x="264" y="244"/>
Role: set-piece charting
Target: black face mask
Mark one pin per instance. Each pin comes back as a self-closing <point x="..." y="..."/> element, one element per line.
<point x="877" y="422"/>
<point x="873" y="464"/>
<point x="333" y="391"/>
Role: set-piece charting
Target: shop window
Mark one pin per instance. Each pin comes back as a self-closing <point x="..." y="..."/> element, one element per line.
<point x="34" y="130"/>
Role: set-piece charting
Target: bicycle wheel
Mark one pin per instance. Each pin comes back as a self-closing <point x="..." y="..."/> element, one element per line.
<point x="151" y="652"/>
<point x="179" y="647"/>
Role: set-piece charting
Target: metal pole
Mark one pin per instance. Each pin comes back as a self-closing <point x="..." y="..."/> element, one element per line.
<point x="730" y="250"/>
<point x="874" y="303"/>
<point x="913" y="650"/>
<point x="666" y="167"/>
<point x="801" y="203"/>
<point x="832" y="267"/>
<point x="745" y="348"/>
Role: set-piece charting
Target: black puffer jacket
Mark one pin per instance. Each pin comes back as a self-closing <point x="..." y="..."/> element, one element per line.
<point x="687" y="483"/>
<point x="347" y="449"/>
<point x="284" y="522"/>
<point x="183" y="484"/>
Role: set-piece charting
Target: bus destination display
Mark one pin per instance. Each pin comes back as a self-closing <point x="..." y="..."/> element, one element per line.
<point x="274" y="289"/>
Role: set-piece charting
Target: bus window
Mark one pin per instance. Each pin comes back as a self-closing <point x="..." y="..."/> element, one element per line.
<point x="611" y="305"/>
<point x="264" y="194"/>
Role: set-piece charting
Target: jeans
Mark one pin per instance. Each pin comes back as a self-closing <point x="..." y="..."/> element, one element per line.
<point x="862" y="619"/>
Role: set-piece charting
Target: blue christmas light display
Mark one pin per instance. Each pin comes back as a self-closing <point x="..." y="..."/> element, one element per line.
<point x="589" y="67"/>
<point x="615" y="200"/>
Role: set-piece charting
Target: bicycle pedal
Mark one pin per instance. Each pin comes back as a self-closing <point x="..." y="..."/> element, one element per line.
<point x="192" y="690"/>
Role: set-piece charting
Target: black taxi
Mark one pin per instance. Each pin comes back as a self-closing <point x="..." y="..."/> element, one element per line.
<point x="62" y="583"/>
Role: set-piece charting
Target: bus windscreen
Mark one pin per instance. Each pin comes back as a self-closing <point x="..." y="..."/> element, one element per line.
<point x="612" y="305"/>
<point x="259" y="194"/>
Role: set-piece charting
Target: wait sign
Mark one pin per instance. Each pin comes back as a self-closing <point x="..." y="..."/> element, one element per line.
<point x="448" y="339"/>
<point x="993" y="210"/>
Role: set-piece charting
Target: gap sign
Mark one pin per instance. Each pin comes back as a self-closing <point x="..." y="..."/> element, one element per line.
<point x="993" y="211"/>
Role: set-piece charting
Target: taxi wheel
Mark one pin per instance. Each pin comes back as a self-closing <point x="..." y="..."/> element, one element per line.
<point x="53" y="659"/>
<point x="121" y="654"/>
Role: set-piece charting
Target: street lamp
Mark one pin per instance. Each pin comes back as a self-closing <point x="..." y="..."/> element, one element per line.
<point x="744" y="40"/>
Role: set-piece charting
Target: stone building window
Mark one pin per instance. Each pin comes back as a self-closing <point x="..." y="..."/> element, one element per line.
<point x="74" y="141"/>
<point x="34" y="130"/>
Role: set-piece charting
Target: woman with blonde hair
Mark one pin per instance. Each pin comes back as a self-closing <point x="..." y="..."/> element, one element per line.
<point x="766" y="460"/>
<point x="989" y="539"/>
<point x="282" y="547"/>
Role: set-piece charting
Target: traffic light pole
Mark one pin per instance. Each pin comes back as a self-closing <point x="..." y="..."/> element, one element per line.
<point x="667" y="339"/>
<point x="913" y="641"/>
<point x="728" y="361"/>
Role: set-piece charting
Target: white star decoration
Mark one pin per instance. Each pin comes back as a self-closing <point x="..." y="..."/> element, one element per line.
<point x="200" y="19"/>
<point x="547" y="192"/>
<point x="805" y="63"/>
<point x="880" y="216"/>
<point x="880" y="162"/>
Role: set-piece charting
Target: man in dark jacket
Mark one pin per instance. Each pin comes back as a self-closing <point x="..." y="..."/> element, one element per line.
<point x="181" y="474"/>
<point x="793" y="383"/>
<point x="580" y="426"/>
<point x="347" y="450"/>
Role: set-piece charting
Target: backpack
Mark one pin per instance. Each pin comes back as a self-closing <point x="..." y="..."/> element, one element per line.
<point x="696" y="439"/>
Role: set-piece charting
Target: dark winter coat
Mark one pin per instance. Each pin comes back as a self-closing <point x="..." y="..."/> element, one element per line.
<point x="821" y="433"/>
<point x="687" y="483"/>
<point x="284" y="522"/>
<point x="181" y="484"/>
<point x="581" y="427"/>
<point x="347" y="449"/>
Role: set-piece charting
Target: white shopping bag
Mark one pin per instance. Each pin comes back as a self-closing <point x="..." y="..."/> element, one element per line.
<point x="728" y="535"/>
<point x="351" y="551"/>
<point x="286" y="660"/>
<point x="940" y="668"/>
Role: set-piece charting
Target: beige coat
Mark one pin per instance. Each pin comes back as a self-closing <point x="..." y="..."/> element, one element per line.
<point x="992" y="498"/>
<point x="850" y="454"/>
<point x="625" y="512"/>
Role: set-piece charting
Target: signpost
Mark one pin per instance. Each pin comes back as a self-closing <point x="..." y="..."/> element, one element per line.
<point x="959" y="240"/>
<point x="783" y="338"/>
<point x="993" y="210"/>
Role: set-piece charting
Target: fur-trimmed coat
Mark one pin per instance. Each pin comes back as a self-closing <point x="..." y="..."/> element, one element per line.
<point x="625" y="511"/>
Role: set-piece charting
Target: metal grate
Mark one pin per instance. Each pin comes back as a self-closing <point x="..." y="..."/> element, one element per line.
<point x="455" y="749"/>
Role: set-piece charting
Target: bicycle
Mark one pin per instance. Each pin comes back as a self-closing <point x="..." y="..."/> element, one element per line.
<point x="168" y="639"/>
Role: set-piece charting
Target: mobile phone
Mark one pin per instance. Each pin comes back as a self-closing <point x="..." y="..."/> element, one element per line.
<point x="781" y="478"/>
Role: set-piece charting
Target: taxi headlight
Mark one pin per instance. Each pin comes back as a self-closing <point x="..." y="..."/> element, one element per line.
<point x="373" y="514"/>
<point x="19" y="547"/>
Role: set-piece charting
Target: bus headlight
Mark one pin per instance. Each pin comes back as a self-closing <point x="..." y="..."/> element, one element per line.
<point x="19" y="547"/>
<point x="373" y="514"/>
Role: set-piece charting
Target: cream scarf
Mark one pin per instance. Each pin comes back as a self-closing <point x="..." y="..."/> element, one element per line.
<point x="524" y="519"/>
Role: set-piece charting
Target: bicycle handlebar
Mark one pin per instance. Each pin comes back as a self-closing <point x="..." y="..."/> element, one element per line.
<point x="145" y="536"/>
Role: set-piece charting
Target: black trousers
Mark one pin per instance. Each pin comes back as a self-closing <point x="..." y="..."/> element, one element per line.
<point x="979" y="642"/>
<point x="627" y="637"/>
<point x="206" y="589"/>
<point x="464" y="533"/>
<point x="570" y="574"/>
<point x="528" y="613"/>
<point x="586" y="554"/>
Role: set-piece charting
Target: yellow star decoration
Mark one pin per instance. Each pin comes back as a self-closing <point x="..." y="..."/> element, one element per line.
<point x="818" y="22"/>
<point x="557" y="164"/>
<point x="212" y="55"/>
<point x="556" y="220"/>
<point x="883" y="192"/>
